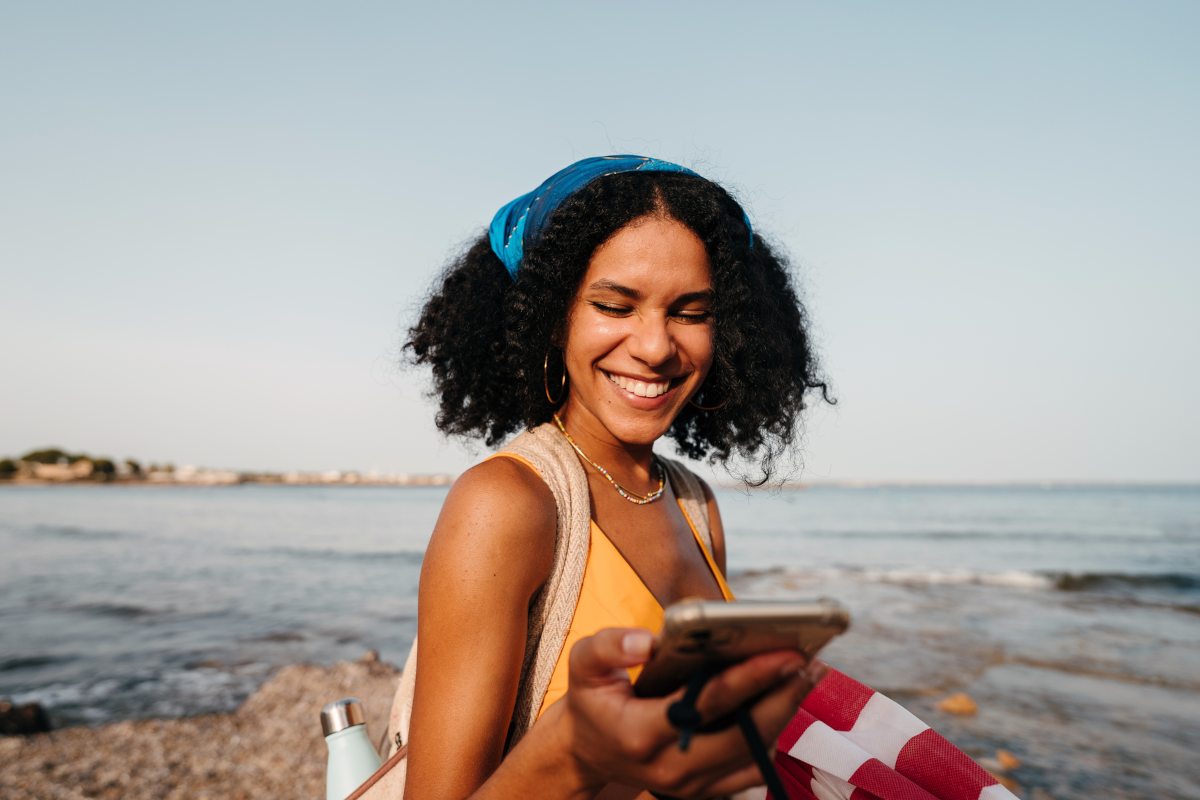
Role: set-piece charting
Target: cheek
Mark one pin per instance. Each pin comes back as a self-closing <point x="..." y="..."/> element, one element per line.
<point x="592" y="341"/>
<point x="698" y="345"/>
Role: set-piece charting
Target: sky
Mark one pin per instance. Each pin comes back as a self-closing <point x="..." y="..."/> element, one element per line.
<point x="217" y="219"/>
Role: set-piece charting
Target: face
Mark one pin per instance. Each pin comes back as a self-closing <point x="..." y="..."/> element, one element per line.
<point x="639" y="339"/>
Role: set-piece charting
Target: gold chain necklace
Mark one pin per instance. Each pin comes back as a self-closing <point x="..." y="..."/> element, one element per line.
<point x="632" y="497"/>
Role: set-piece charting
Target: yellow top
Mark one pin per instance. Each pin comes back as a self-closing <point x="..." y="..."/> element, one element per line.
<point x="613" y="595"/>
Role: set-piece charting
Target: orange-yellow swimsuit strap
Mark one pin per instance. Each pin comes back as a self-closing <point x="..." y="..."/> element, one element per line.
<point x="613" y="595"/>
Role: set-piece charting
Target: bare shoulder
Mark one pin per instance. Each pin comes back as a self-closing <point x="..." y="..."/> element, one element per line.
<point x="491" y="550"/>
<point x="495" y="509"/>
<point x="505" y="491"/>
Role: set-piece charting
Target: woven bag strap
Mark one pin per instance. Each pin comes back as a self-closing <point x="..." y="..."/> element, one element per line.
<point x="690" y="493"/>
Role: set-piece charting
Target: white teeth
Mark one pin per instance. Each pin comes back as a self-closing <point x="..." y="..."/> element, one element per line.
<point x="639" y="388"/>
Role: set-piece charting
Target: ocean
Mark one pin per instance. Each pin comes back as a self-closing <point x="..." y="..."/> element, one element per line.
<point x="1070" y="614"/>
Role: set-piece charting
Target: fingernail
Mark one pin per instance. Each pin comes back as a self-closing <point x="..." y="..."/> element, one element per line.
<point x="636" y="644"/>
<point x="816" y="671"/>
<point x="791" y="667"/>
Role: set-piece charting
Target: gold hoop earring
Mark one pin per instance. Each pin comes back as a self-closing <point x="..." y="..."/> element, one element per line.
<point x="692" y="402"/>
<point x="546" y="381"/>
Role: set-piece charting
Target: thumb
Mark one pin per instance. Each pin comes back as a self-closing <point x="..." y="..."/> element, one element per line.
<point x="603" y="657"/>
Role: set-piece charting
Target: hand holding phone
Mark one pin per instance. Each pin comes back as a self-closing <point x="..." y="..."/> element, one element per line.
<point x="702" y="635"/>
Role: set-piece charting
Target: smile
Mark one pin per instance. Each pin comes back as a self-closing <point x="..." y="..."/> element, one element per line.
<point x="643" y="388"/>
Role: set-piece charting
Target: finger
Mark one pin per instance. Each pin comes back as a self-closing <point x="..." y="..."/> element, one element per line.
<point x="739" y="780"/>
<point x="776" y="709"/>
<point x="816" y="670"/>
<point x="713" y="757"/>
<point x="769" y="677"/>
<point x="721" y="785"/>
<point x="728" y="690"/>
<point x="726" y="750"/>
<point x="723" y="693"/>
<point x="603" y="657"/>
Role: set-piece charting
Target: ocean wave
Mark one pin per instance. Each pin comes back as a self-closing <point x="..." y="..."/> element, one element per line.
<point x="32" y="662"/>
<point x="1104" y="672"/>
<point x="77" y="532"/>
<point x="1129" y="601"/>
<point x="170" y="693"/>
<point x="275" y="637"/>
<point x="329" y="554"/>
<point x="985" y="534"/>
<point x="1016" y="579"/>
<point x="117" y="610"/>
<point x="1093" y="581"/>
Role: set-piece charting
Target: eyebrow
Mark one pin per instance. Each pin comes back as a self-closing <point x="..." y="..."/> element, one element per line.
<point x="605" y="285"/>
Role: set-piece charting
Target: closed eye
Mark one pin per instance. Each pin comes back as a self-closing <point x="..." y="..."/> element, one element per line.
<point x="612" y="311"/>
<point x="687" y="316"/>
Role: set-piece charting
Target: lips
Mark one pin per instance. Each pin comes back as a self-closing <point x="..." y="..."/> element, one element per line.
<point x="643" y="388"/>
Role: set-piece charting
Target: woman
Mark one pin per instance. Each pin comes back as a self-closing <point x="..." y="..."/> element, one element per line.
<point x="623" y="300"/>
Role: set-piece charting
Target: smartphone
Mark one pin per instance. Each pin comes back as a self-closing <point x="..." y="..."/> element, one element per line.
<point x="711" y="635"/>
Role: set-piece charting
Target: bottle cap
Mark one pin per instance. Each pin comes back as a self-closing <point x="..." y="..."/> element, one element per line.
<point x="342" y="714"/>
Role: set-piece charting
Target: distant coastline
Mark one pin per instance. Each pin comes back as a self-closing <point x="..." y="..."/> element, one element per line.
<point x="54" y="466"/>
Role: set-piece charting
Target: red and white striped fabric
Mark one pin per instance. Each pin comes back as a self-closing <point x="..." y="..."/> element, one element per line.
<point x="849" y="742"/>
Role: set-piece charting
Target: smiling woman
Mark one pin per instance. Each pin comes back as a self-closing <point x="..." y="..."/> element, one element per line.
<point x="639" y="339"/>
<point x="623" y="300"/>
<point x="494" y="342"/>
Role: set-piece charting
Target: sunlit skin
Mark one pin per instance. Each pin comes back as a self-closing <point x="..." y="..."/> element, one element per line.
<point x="643" y="311"/>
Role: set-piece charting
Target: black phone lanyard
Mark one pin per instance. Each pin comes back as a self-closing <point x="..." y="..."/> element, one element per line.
<point x="685" y="718"/>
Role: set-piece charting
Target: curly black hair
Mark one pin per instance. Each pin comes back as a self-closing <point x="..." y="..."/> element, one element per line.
<point x="486" y="337"/>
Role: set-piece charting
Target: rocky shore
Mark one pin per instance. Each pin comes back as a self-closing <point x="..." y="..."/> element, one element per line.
<point x="270" y="747"/>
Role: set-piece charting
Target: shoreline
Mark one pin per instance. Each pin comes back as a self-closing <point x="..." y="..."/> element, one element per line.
<point x="1068" y="618"/>
<point x="270" y="746"/>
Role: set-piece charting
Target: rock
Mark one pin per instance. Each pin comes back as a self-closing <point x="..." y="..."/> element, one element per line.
<point x="960" y="703"/>
<point x="1010" y="784"/>
<point x="1003" y="780"/>
<point x="270" y="747"/>
<point x="22" y="720"/>
<point x="1007" y="760"/>
<point x="991" y="765"/>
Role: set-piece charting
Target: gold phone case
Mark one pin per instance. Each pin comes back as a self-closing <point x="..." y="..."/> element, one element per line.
<point x="711" y="635"/>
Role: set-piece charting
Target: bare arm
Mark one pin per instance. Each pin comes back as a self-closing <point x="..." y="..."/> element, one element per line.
<point x="492" y="548"/>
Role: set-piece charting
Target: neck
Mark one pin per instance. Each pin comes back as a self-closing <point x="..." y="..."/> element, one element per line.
<point x="632" y="463"/>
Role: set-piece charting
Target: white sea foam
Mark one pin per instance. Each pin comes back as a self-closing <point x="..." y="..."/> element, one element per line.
<point x="1013" y="579"/>
<point x="172" y="693"/>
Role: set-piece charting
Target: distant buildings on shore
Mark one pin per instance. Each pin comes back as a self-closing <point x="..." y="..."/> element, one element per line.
<point x="53" y="465"/>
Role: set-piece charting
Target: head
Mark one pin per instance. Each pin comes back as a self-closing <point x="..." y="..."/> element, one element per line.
<point x="635" y="275"/>
<point x="637" y="343"/>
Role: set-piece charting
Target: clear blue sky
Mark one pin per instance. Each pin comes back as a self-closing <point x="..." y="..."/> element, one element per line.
<point x="215" y="218"/>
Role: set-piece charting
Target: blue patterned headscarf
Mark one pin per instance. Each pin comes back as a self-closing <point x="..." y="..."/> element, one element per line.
<point x="523" y="219"/>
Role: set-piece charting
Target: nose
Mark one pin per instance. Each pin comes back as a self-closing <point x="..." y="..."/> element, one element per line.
<point x="651" y="341"/>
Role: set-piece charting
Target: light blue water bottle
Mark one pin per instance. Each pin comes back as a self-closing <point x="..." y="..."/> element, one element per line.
<point x="352" y="759"/>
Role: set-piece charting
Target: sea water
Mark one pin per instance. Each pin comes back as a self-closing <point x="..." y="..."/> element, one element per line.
<point x="1070" y="614"/>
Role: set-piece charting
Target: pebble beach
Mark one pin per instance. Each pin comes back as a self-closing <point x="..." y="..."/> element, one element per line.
<point x="271" y="746"/>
